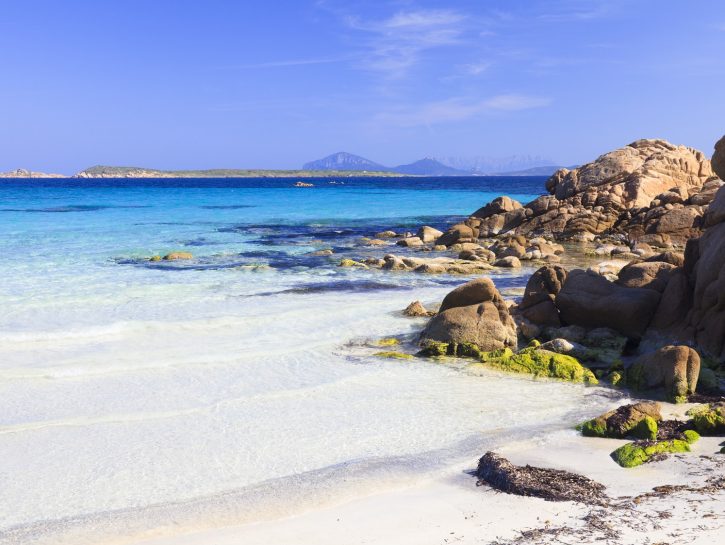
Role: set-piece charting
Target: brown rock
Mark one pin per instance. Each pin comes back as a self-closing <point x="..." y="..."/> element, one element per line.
<point x="652" y="275"/>
<point x="428" y="234"/>
<point x="458" y="233"/>
<point x="718" y="158"/>
<point x="537" y="304"/>
<point x="416" y="309"/>
<point x="499" y="205"/>
<point x="676" y="368"/>
<point x="588" y="299"/>
<point x="473" y="313"/>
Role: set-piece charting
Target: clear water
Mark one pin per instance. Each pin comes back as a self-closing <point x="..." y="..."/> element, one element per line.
<point x="235" y="386"/>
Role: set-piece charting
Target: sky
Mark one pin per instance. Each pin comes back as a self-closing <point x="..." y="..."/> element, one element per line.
<point x="258" y="84"/>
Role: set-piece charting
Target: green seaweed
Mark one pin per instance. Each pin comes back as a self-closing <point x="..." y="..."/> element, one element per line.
<point x="690" y="436"/>
<point x="635" y="454"/>
<point x="394" y="355"/>
<point x="434" y="348"/>
<point x="596" y="427"/>
<point x="387" y="341"/>
<point x="708" y="419"/>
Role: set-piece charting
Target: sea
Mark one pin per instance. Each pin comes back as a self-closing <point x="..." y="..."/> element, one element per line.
<point x="143" y="397"/>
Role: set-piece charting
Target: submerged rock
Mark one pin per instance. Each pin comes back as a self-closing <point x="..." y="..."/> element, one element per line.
<point x="175" y="256"/>
<point x="549" y="484"/>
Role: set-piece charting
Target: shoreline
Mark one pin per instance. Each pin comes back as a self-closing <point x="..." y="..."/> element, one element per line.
<point x="450" y="508"/>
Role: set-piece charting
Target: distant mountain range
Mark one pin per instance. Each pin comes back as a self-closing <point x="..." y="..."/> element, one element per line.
<point x="338" y="164"/>
<point x="348" y="161"/>
<point x="517" y="166"/>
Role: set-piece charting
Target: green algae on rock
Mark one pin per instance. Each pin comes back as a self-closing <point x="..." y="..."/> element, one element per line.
<point x="352" y="263"/>
<point x="393" y="355"/>
<point x="690" y="436"/>
<point x="639" y="420"/>
<point x="531" y="360"/>
<point x="640" y="452"/>
<point x="709" y="419"/>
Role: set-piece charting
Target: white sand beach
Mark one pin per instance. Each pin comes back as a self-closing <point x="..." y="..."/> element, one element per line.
<point x="452" y="509"/>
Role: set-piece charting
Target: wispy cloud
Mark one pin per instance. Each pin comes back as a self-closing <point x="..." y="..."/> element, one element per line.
<point x="576" y="10"/>
<point x="458" y="109"/>
<point x="396" y="44"/>
<point x="477" y="68"/>
<point x="286" y="63"/>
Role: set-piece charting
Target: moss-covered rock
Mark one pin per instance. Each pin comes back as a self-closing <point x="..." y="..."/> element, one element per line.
<point x="434" y="348"/>
<point x="690" y="436"/>
<point x="638" y="419"/>
<point x="640" y="452"/>
<point x="539" y="363"/>
<point x="709" y="419"/>
<point x="394" y="355"/>
<point x="352" y="263"/>
<point x="617" y="379"/>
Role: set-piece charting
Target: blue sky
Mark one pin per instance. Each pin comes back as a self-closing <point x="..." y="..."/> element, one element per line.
<point x="191" y="84"/>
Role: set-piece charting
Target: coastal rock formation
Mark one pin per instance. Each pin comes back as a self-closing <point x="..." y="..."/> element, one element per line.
<point x="650" y="190"/>
<point x="474" y="313"/>
<point x="676" y="368"/>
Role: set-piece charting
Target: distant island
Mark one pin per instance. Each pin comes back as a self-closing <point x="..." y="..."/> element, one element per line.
<point x="337" y="165"/>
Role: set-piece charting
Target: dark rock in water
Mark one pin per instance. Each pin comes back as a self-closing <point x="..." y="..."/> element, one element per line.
<point x="549" y="484"/>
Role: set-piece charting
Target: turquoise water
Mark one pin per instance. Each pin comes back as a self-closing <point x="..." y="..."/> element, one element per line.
<point x="238" y="385"/>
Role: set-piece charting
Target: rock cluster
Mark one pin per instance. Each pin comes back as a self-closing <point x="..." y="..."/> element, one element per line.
<point x="650" y="191"/>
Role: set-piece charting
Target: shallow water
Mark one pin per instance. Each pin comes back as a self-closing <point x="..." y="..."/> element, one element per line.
<point x="236" y="385"/>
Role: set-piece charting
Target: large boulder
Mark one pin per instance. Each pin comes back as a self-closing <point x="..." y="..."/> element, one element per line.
<point x="653" y="275"/>
<point x="675" y="368"/>
<point x="706" y="320"/>
<point x="588" y="299"/>
<point x="537" y="304"/>
<point x="474" y="313"/>
<point x="458" y="233"/>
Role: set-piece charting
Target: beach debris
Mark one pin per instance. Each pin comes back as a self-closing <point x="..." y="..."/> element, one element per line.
<point x="549" y="484"/>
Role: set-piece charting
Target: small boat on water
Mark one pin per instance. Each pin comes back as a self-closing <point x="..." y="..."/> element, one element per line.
<point x="303" y="184"/>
